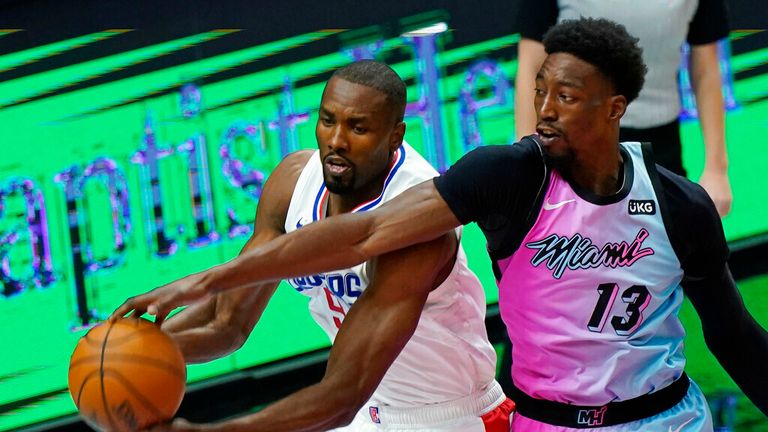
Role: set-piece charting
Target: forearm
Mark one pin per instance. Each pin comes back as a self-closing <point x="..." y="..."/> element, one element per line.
<point x="192" y="331"/>
<point x="530" y="56"/>
<point x="302" y="252"/>
<point x="743" y="352"/>
<point x="707" y="82"/>
<point x="738" y="342"/>
<point x="418" y="215"/>
<point x="319" y="407"/>
<point x="525" y="115"/>
<point x="204" y="344"/>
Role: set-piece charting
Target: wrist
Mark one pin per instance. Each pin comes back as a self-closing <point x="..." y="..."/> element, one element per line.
<point x="237" y="424"/>
<point x="717" y="167"/>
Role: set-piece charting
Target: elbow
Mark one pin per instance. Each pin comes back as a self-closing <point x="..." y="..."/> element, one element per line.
<point x="235" y="338"/>
<point x="348" y="397"/>
<point x="229" y="336"/>
<point x="344" y="418"/>
<point x="351" y="404"/>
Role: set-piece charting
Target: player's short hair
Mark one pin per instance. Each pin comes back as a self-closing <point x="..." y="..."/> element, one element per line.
<point x="377" y="75"/>
<point x="604" y="44"/>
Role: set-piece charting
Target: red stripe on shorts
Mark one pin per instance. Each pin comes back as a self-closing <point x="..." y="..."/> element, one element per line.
<point x="498" y="419"/>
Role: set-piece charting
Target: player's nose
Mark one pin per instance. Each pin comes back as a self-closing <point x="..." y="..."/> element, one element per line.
<point x="547" y="111"/>
<point x="337" y="139"/>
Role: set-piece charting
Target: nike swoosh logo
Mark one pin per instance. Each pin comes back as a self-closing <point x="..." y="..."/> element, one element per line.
<point x="679" y="428"/>
<point x="548" y="206"/>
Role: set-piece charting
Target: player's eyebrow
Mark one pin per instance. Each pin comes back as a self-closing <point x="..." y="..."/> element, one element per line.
<point x="563" y="82"/>
<point x="326" y="113"/>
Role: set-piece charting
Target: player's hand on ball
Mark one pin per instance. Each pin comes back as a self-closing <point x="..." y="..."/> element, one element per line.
<point x="162" y="300"/>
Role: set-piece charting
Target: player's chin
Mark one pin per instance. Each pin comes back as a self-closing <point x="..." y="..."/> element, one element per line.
<point x="339" y="184"/>
<point x="558" y="158"/>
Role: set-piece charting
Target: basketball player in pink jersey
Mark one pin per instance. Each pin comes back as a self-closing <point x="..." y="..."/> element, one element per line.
<point x="593" y="244"/>
<point x="410" y="349"/>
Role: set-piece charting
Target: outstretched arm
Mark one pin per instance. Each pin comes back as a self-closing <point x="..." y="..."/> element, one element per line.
<point x="418" y="215"/>
<point x="738" y="342"/>
<point x="387" y="313"/>
<point x="706" y="80"/>
<point x="221" y="323"/>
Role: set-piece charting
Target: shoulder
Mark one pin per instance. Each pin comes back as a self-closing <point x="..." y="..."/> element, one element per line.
<point x="409" y="160"/>
<point x="294" y="162"/>
<point x="278" y="189"/>
<point x="693" y="225"/>
<point x="287" y="172"/>
<point x="522" y="157"/>
<point x="685" y="198"/>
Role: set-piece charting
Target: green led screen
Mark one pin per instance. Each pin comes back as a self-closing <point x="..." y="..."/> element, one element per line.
<point x="111" y="189"/>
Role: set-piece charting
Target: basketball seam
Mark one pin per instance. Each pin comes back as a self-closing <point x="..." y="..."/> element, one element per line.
<point x="85" y="359"/>
<point x="135" y="393"/>
<point x="159" y="364"/>
<point x="101" y="376"/>
<point x="120" y="339"/>
<point x="80" y="390"/>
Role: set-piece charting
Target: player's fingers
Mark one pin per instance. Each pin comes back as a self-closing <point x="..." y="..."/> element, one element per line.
<point x="153" y="309"/>
<point x="159" y="311"/>
<point x="159" y="318"/>
<point x="122" y="310"/>
<point x="138" y="312"/>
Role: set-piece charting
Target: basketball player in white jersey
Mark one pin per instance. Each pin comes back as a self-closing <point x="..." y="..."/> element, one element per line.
<point x="593" y="246"/>
<point x="410" y="348"/>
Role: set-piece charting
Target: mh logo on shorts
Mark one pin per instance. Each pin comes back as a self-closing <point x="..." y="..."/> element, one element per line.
<point x="374" y="412"/>
<point x="592" y="417"/>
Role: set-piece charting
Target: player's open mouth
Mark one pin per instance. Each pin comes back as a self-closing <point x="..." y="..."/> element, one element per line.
<point x="336" y="165"/>
<point x="547" y="135"/>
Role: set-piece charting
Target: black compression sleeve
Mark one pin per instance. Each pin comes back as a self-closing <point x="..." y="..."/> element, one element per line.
<point x="535" y="17"/>
<point x="709" y="24"/>
<point x="738" y="342"/>
<point x="497" y="187"/>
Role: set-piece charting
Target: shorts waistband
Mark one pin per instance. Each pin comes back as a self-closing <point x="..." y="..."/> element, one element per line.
<point x="613" y="413"/>
<point x="475" y="404"/>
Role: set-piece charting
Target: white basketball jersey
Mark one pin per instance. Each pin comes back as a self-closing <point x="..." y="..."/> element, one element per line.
<point x="449" y="355"/>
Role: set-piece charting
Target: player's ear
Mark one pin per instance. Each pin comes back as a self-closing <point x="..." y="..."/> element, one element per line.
<point x="397" y="135"/>
<point x="618" y="107"/>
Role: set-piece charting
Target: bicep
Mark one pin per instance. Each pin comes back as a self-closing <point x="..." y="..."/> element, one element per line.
<point x="243" y="306"/>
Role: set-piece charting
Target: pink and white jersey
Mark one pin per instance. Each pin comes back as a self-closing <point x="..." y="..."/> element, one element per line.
<point x="590" y="297"/>
<point x="449" y="356"/>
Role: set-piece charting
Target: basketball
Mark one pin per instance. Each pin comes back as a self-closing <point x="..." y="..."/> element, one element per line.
<point x="126" y="375"/>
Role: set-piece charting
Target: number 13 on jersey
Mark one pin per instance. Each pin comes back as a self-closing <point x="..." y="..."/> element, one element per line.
<point x="636" y="298"/>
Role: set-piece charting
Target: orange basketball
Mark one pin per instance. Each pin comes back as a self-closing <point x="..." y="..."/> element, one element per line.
<point x="126" y="375"/>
